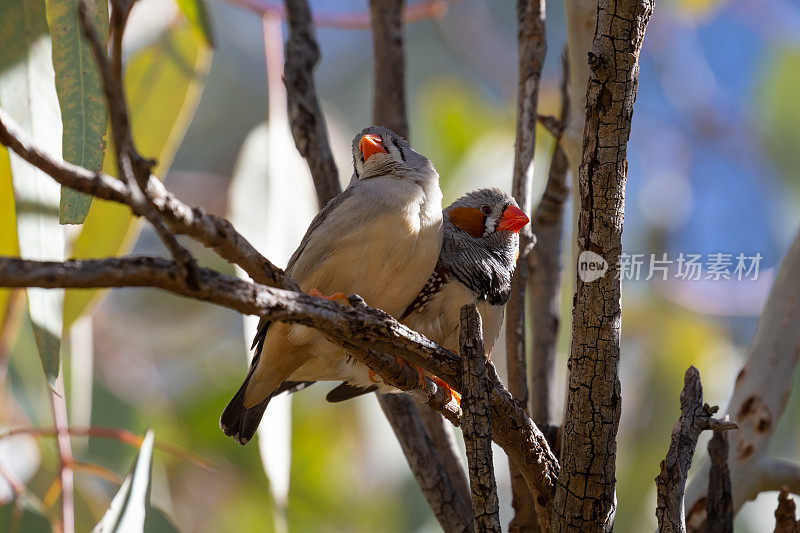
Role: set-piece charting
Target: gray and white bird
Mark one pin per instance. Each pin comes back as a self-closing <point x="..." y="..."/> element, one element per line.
<point x="380" y="238"/>
<point x="478" y="257"/>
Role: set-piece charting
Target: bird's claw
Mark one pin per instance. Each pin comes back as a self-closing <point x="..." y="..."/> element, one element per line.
<point x="451" y="394"/>
<point x="337" y="297"/>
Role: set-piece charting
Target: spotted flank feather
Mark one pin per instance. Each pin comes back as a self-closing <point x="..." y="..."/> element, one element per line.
<point x="434" y="285"/>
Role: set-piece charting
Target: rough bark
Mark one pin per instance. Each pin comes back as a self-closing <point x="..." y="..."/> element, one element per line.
<point x="449" y="508"/>
<point x="695" y="418"/>
<point x="305" y="116"/>
<point x="477" y="423"/>
<point x="759" y="399"/>
<point x="443" y="438"/>
<point x="720" y="501"/>
<point x="785" y="514"/>
<point x="531" y="50"/>
<point x="585" y="497"/>
<point x="389" y="107"/>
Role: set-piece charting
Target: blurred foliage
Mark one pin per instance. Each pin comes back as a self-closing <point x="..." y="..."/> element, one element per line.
<point x="8" y="235"/>
<point x="779" y="108"/>
<point x="163" y="84"/>
<point x="28" y="92"/>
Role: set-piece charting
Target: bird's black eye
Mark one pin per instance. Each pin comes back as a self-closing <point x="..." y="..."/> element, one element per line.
<point x="486" y="210"/>
<point x="395" y="143"/>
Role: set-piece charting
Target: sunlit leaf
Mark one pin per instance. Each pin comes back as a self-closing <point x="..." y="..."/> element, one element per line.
<point x="129" y="507"/>
<point x="80" y="95"/>
<point x="8" y="221"/>
<point x="27" y="92"/>
<point x="196" y="12"/>
<point x="163" y="84"/>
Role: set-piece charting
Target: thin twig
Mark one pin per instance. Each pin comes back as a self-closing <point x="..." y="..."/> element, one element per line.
<point x="212" y="231"/>
<point x="118" y="434"/>
<point x="305" y="115"/>
<point x="477" y="423"/>
<point x="133" y="169"/>
<point x="389" y="104"/>
<point x="695" y="418"/>
<point x="65" y="459"/>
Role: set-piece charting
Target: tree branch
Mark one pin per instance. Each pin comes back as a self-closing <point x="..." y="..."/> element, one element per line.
<point x="720" y="501"/>
<point x="132" y="168"/>
<point x="477" y="425"/>
<point x="443" y="438"/>
<point x="531" y="50"/>
<point x="695" y="418"/>
<point x="305" y="115"/>
<point x="588" y="461"/>
<point x="357" y="329"/>
<point x="785" y="514"/>
<point x="389" y="107"/>
<point x="544" y="279"/>
<point x="449" y="508"/>
<point x="212" y="231"/>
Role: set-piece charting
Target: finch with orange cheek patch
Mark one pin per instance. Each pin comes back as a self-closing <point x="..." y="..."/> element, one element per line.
<point x="478" y="258"/>
<point x="380" y="238"/>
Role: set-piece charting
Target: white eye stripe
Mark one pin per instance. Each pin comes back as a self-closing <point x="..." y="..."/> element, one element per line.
<point x="489" y="225"/>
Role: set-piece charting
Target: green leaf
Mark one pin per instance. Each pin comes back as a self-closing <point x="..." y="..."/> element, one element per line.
<point x="196" y="13"/>
<point x="23" y="516"/>
<point x="8" y="221"/>
<point x="163" y="84"/>
<point x="128" y="508"/>
<point x="80" y="93"/>
<point x="27" y="92"/>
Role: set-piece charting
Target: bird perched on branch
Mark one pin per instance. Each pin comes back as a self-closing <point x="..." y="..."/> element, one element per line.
<point x="380" y="238"/>
<point x="478" y="257"/>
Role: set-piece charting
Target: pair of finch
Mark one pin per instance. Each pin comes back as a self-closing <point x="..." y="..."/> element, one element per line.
<point x="386" y="239"/>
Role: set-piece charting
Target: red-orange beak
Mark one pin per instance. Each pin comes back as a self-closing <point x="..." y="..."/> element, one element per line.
<point x="513" y="219"/>
<point x="371" y="144"/>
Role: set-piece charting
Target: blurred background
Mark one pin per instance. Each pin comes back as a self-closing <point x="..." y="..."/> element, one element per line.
<point x="713" y="167"/>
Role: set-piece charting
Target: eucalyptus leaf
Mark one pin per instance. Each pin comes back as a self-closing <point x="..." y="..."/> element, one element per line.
<point x="128" y="509"/>
<point x="80" y="95"/>
<point x="196" y="12"/>
<point x="27" y="92"/>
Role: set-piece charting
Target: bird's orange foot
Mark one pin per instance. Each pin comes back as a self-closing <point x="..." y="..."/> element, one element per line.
<point x="451" y="394"/>
<point x="337" y="297"/>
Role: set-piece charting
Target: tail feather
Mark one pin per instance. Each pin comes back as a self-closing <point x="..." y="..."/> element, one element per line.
<point x="241" y="423"/>
<point x="238" y="422"/>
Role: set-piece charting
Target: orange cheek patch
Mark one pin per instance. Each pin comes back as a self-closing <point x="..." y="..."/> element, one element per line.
<point x="469" y="219"/>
